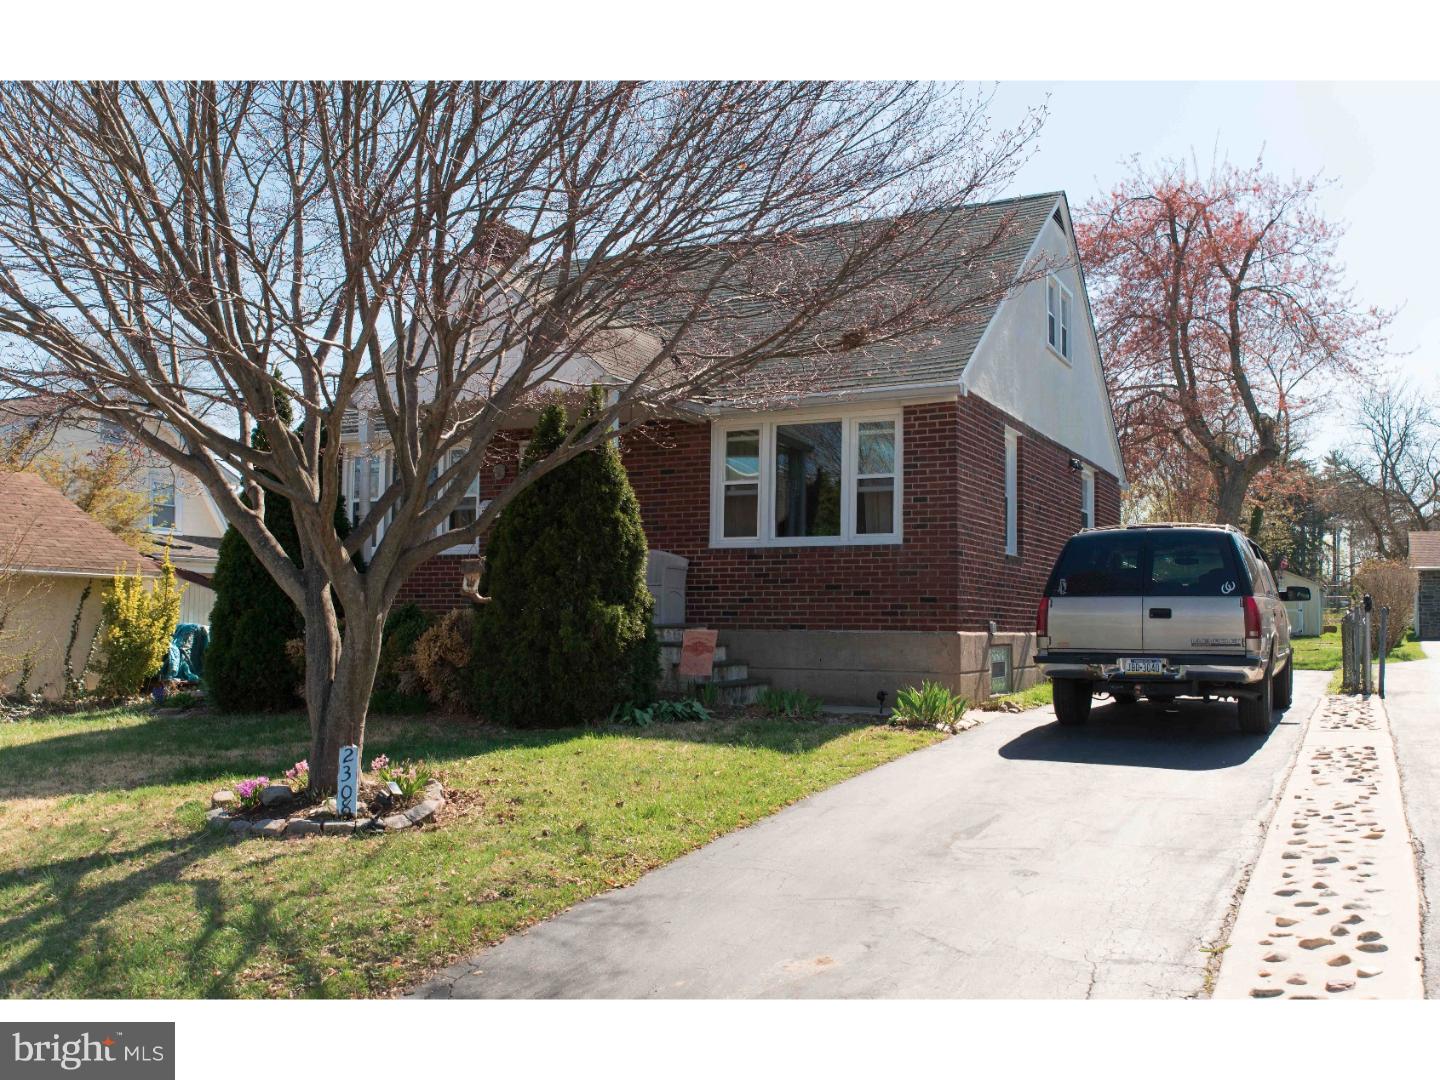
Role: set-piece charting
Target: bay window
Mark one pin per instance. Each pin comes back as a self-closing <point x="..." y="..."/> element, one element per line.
<point x="370" y="474"/>
<point x="830" y="479"/>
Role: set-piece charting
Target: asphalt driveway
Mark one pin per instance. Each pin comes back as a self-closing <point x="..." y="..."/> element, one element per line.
<point x="1019" y="859"/>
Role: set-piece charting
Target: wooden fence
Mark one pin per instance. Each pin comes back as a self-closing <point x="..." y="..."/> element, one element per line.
<point x="1357" y="632"/>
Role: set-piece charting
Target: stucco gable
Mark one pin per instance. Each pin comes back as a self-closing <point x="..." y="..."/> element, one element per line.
<point x="1015" y="369"/>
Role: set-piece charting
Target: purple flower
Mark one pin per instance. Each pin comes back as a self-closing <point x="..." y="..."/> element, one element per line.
<point x="249" y="790"/>
<point x="379" y="762"/>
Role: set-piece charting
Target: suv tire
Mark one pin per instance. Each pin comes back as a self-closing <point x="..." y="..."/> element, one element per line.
<point x="1256" y="715"/>
<point x="1283" y="691"/>
<point x="1072" y="701"/>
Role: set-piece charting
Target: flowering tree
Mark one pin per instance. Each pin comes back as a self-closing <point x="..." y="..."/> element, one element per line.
<point x="1221" y="308"/>
<point x="428" y="258"/>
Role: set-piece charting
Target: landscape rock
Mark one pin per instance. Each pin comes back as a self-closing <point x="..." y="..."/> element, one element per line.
<point x="275" y="793"/>
<point x="395" y="821"/>
<point x="339" y="826"/>
<point x="303" y="827"/>
<point x="223" y="799"/>
<point x="217" y="819"/>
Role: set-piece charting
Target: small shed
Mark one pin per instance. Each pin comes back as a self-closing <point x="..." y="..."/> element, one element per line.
<point x="1307" y="617"/>
<point x="1425" y="561"/>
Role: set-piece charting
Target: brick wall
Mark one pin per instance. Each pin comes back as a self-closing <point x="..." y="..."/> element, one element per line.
<point x="909" y="586"/>
<point x="1003" y="587"/>
<point x="950" y="572"/>
<point x="435" y="586"/>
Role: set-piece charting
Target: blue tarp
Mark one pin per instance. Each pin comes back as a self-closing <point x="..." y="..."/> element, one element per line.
<point x="186" y="659"/>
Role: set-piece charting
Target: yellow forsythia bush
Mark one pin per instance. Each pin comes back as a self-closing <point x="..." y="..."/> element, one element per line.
<point x="136" y="626"/>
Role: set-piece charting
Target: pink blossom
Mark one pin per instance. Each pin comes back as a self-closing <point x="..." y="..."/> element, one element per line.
<point x="379" y="762"/>
<point x="250" y="789"/>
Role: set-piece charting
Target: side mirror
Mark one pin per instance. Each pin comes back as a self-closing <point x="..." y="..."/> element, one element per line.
<point x="1296" y="593"/>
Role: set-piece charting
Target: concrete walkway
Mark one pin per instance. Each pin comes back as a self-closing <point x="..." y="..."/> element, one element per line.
<point x="1332" y="909"/>
<point x="1019" y="859"/>
<point x="1412" y="698"/>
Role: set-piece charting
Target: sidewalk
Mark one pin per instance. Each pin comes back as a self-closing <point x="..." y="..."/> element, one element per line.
<point x="1332" y="909"/>
<point x="1412" y="697"/>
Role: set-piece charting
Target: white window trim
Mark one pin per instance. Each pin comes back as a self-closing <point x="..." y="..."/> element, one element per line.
<point x="362" y="499"/>
<point x="850" y="447"/>
<point x="1012" y="491"/>
<point x="174" y="527"/>
<point x="1065" y="331"/>
<point x="1087" y="495"/>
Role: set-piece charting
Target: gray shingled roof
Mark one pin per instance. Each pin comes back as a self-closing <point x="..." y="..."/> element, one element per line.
<point x="1004" y="230"/>
<point x="41" y="531"/>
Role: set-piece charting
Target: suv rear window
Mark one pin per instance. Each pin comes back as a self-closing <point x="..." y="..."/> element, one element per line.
<point x="1152" y="563"/>
<point x="1098" y="564"/>
<point x="1194" y="564"/>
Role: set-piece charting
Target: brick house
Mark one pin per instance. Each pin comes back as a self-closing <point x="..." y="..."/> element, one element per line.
<point x="885" y="527"/>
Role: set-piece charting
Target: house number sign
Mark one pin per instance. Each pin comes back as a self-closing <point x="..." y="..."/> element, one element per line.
<point x="347" y="783"/>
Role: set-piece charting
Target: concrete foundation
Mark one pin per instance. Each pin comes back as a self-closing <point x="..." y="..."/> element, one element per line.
<point x="849" y="667"/>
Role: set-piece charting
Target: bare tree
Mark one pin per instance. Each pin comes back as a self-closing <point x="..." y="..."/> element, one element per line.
<point x="430" y="257"/>
<point x="1386" y="484"/>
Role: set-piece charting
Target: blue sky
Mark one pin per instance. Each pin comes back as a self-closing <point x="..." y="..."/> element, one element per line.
<point x="1375" y="141"/>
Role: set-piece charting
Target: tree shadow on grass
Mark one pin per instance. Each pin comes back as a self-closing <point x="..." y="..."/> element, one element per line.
<point x="207" y="748"/>
<point x="60" y="926"/>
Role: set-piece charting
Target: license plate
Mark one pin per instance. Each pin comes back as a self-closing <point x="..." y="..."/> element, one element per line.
<point x="1142" y="665"/>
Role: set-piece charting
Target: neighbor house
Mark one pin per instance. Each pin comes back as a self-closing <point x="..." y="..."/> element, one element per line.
<point x="56" y="564"/>
<point x="897" y="521"/>
<point x="1307" y="617"/>
<point x="182" y="518"/>
<point x="1425" y="561"/>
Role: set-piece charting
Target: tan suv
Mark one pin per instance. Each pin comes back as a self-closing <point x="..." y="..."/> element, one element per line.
<point x="1164" y="611"/>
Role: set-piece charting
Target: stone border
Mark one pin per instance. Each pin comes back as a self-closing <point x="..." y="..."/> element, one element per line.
<point x="221" y="819"/>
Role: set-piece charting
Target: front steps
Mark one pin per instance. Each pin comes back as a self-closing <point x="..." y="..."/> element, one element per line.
<point x="730" y="677"/>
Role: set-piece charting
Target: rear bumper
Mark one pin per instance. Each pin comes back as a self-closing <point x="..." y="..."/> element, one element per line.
<point x="1191" y="673"/>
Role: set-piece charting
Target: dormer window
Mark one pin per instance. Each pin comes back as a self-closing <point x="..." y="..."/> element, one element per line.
<point x="162" y="499"/>
<point x="1059" y="308"/>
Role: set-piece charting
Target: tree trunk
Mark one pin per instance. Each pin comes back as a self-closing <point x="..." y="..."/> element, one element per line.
<point x="1231" y="486"/>
<point x="339" y="677"/>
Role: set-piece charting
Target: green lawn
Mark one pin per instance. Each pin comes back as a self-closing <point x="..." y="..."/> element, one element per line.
<point x="1042" y="693"/>
<point x="1323" y="653"/>
<point x="110" y="886"/>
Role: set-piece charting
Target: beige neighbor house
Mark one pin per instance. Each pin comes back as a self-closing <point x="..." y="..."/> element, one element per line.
<point x="51" y="552"/>
<point x="183" y="516"/>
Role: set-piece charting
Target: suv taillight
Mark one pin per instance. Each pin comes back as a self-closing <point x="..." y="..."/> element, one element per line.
<point x="1252" y="620"/>
<point x="1042" y="618"/>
